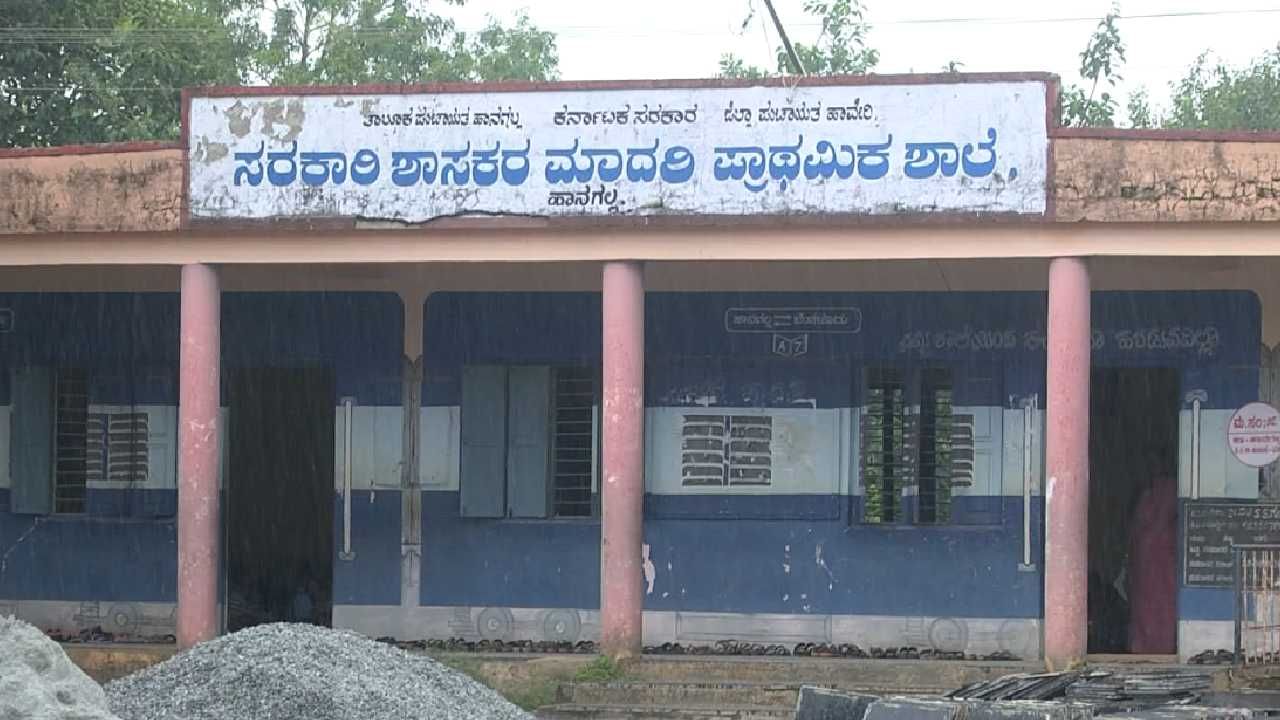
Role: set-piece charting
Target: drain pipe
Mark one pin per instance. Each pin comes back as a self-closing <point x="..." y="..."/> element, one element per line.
<point x="1197" y="397"/>
<point x="1028" y="444"/>
<point x="348" y="405"/>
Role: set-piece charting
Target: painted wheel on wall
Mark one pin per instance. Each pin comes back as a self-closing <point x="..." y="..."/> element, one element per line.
<point x="123" y="617"/>
<point x="949" y="635"/>
<point x="495" y="623"/>
<point x="562" y="626"/>
<point x="1015" y="638"/>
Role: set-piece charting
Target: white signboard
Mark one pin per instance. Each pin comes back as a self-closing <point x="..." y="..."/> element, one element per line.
<point x="967" y="147"/>
<point x="1254" y="434"/>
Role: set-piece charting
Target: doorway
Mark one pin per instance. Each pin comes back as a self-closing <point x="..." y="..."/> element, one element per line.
<point x="1133" y="461"/>
<point x="279" y="505"/>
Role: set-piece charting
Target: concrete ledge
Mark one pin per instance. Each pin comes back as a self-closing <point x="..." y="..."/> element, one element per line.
<point x="108" y="661"/>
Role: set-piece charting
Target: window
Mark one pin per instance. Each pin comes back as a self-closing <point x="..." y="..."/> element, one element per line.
<point x="529" y="441"/>
<point x="915" y="448"/>
<point x="719" y="450"/>
<point x="574" y="438"/>
<point x="118" y="447"/>
<point x="70" y="441"/>
<point x="58" y="447"/>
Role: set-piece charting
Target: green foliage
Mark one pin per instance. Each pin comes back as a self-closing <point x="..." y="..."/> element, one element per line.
<point x="841" y="47"/>
<point x="602" y="669"/>
<point x="732" y="66"/>
<point x="105" y="70"/>
<point x="77" y="71"/>
<point x="1222" y="98"/>
<point x="1100" y="64"/>
<point x="389" y="41"/>
<point x="1141" y="114"/>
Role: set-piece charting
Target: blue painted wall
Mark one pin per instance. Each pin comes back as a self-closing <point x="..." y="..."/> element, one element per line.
<point x="124" y="546"/>
<point x="728" y="553"/>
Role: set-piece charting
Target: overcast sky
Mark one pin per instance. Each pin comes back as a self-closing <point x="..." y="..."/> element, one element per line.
<point x="617" y="39"/>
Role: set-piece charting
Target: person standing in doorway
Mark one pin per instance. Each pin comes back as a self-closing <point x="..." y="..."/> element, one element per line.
<point x="1152" y="562"/>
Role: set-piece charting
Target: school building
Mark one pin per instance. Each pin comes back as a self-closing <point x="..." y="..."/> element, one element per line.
<point x="887" y="360"/>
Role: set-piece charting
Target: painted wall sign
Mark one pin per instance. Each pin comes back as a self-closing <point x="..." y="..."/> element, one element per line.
<point x="1253" y="434"/>
<point x="973" y="147"/>
<point x="809" y="320"/>
<point x="790" y="327"/>
<point x="1211" y="530"/>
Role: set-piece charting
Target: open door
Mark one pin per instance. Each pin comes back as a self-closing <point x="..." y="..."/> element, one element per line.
<point x="279" y="518"/>
<point x="1133" y="559"/>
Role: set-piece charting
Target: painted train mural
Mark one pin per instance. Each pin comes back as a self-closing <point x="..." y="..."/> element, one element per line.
<point x="820" y="467"/>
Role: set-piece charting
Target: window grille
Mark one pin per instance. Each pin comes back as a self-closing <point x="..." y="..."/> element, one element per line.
<point x="936" y="441"/>
<point x="886" y="460"/>
<point x="720" y="450"/>
<point x="70" y="456"/>
<point x="573" y="456"/>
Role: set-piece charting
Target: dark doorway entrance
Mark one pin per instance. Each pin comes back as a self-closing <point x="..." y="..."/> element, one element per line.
<point x="279" y="486"/>
<point x="1133" y="456"/>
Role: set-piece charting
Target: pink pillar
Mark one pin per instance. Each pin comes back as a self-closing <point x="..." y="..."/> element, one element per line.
<point x="622" y="493"/>
<point x="1066" y="546"/>
<point x="198" y="403"/>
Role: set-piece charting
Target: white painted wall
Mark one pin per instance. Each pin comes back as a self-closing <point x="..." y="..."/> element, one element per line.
<point x="1221" y="474"/>
<point x="377" y="440"/>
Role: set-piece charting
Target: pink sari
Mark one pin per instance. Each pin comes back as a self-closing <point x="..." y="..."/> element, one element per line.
<point x="1153" y="574"/>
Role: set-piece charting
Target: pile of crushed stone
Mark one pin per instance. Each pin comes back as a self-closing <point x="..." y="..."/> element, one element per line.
<point x="39" y="682"/>
<point x="302" y="672"/>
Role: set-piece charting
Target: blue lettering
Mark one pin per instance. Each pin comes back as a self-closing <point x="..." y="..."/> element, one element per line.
<point x="873" y="159"/>
<point x="924" y="160"/>
<point x="409" y="167"/>
<point x="642" y="163"/>
<point x="515" y="165"/>
<point x="677" y="164"/>
<point x="319" y="168"/>
<point x="364" y="167"/>
<point x="984" y="168"/>
<point x="251" y="171"/>
<point x="281" y="175"/>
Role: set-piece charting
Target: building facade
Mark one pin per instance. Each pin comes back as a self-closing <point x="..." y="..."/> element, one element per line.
<point x="640" y="362"/>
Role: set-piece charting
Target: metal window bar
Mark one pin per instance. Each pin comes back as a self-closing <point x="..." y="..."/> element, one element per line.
<point x="573" y="441"/>
<point x="885" y="464"/>
<point x="128" y="452"/>
<point x="1257" y="606"/>
<point x="935" y="447"/>
<point x="702" y="450"/>
<point x="750" y="454"/>
<point x="70" y="444"/>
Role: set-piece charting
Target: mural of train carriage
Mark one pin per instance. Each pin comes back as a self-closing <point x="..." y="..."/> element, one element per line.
<point x="834" y="467"/>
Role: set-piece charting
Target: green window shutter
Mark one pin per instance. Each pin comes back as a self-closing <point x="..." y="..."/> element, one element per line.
<point x="528" y="442"/>
<point x="31" y="441"/>
<point x="484" y="417"/>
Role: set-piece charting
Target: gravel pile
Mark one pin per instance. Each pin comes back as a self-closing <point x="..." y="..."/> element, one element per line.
<point x="39" y="682"/>
<point x="302" y="672"/>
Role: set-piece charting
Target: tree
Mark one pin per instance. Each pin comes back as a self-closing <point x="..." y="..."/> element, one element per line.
<point x="395" y="41"/>
<point x="104" y="70"/>
<point x="841" y="47"/>
<point x="1099" y="64"/>
<point x="1221" y="98"/>
<point x="77" y="71"/>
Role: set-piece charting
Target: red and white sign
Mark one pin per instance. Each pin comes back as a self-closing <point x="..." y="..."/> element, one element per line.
<point x="1254" y="434"/>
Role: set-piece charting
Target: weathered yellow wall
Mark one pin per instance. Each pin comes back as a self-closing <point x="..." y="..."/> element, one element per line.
<point x="1149" y="180"/>
<point x="101" y="192"/>
<point x="1135" y="178"/>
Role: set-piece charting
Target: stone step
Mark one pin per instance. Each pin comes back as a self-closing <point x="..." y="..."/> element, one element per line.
<point x="630" y="692"/>
<point x="572" y="711"/>
<point x="878" y="676"/>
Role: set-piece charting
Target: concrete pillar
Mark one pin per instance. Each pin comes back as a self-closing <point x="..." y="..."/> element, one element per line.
<point x="622" y="492"/>
<point x="198" y="403"/>
<point x="1066" y="563"/>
